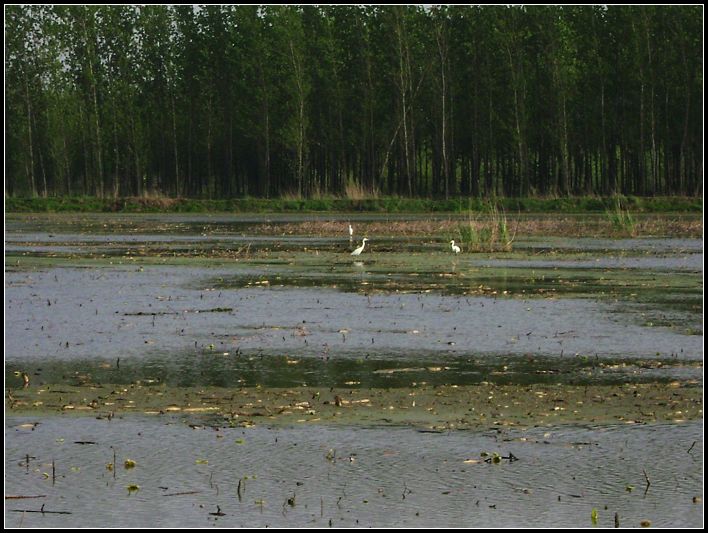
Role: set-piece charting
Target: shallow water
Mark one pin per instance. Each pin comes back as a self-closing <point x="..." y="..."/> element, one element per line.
<point x="386" y="477"/>
<point x="201" y="301"/>
<point x="163" y="287"/>
<point x="214" y="369"/>
<point x="113" y="312"/>
<point x="234" y="319"/>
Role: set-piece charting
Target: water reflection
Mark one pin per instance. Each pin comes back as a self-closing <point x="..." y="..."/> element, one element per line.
<point x="239" y="369"/>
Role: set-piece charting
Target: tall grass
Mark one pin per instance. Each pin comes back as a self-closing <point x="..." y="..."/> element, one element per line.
<point x="621" y="219"/>
<point x="355" y="190"/>
<point x="486" y="230"/>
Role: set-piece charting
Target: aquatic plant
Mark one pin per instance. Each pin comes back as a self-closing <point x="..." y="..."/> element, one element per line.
<point x="621" y="219"/>
<point x="487" y="230"/>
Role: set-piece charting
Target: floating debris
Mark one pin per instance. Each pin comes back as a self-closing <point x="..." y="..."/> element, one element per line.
<point x="41" y="510"/>
<point x="218" y="512"/>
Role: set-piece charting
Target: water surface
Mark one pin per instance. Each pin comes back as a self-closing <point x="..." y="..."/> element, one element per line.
<point x="195" y="305"/>
<point x="384" y="477"/>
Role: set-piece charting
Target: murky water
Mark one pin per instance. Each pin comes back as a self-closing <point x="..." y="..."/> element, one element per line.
<point x="86" y="289"/>
<point x="386" y="477"/>
<point x="113" y="312"/>
<point x="189" y="301"/>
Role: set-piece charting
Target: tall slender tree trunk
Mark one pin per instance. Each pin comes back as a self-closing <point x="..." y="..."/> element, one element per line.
<point x="371" y="140"/>
<point x="604" y="166"/>
<point x="411" y="136"/>
<point x="30" y="167"/>
<point x="442" y="51"/>
<point x="210" y="170"/>
<point x="43" y="170"/>
<point x="136" y="157"/>
<point x="87" y="183"/>
<point x="190" y="186"/>
<point x="178" y="187"/>
<point x="515" y="81"/>
<point x="489" y="178"/>
<point x="403" y="88"/>
<point x="267" y="149"/>
<point x="666" y="149"/>
<point x="67" y="167"/>
<point x="299" y="81"/>
<point x="116" y="154"/>
<point x="96" y="115"/>
<point x="565" y="150"/>
<point x="652" y="119"/>
<point x="683" y="164"/>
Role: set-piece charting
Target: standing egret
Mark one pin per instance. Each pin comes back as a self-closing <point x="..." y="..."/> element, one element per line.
<point x="361" y="248"/>
<point x="455" y="248"/>
<point x="351" y="232"/>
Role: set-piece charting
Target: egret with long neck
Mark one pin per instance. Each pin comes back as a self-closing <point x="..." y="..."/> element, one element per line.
<point x="361" y="248"/>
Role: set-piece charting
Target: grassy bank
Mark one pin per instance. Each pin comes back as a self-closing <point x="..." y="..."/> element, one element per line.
<point x="381" y="204"/>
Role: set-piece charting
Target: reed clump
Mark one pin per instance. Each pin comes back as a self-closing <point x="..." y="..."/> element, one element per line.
<point x="486" y="230"/>
<point x="621" y="219"/>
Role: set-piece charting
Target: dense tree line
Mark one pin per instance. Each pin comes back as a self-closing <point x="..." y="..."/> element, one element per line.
<point x="225" y="101"/>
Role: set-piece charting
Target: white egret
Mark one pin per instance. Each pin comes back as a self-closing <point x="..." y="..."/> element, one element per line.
<point x="455" y="248"/>
<point x="361" y="248"/>
<point x="351" y="231"/>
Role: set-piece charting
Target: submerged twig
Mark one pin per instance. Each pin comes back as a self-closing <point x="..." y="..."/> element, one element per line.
<point x="218" y="512"/>
<point x="41" y="510"/>
<point x="648" y="482"/>
<point x="646" y="477"/>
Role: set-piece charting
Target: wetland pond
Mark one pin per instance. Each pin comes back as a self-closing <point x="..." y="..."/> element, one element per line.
<point x="246" y="371"/>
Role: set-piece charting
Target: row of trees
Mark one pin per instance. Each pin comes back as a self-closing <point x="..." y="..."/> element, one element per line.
<point x="223" y="101"/>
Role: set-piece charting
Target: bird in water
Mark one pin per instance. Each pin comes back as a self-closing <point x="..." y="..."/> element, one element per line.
<point x="455" y="248"/>
<point x="361" y="248"/>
